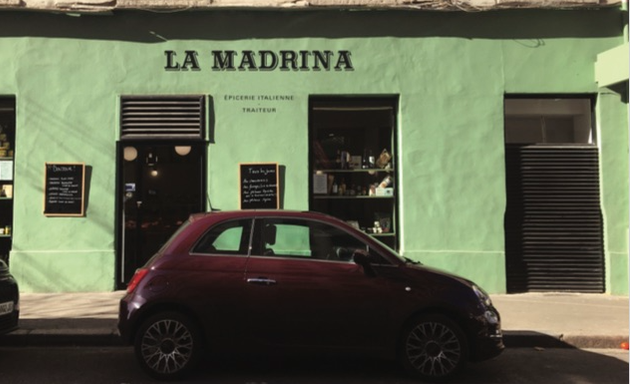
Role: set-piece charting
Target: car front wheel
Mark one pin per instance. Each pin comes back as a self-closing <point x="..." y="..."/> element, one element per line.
<point x="168" y="345"/>
<point x="433" y="348"/>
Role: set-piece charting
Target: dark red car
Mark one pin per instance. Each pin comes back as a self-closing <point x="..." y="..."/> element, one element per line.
<point x="264" y="281"/>
<point x="9" y="300"/>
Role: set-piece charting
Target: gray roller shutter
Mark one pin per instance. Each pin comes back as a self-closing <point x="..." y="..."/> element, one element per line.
<point x="162" y="117"/>
<point x="553" y="222"/>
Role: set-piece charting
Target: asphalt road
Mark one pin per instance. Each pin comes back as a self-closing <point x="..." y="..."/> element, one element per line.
<point x="66" y="365"/>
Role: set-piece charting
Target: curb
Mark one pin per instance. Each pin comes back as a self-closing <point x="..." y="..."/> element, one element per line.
<point x="527" y="339"/>
<point x="60" y="338"/>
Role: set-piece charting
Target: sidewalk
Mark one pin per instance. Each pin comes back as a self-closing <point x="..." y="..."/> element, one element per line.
<point x="545" y="320"/>
<point x="563" y="320"/>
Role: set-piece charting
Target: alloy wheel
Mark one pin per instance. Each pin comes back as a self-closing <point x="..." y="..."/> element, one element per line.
<point x="434" y="348"/>
<point x="167" y="345"/>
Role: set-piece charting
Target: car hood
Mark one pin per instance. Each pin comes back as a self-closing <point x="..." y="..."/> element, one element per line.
<point x="436" y="274"/>
<point x="4" y="268"/>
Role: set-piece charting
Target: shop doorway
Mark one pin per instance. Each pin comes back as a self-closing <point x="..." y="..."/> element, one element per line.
<point x="162" y="184"/>
<point x="553" y="220"/>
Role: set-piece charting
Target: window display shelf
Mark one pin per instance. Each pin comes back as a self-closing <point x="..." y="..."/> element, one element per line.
<point x="356" y="170"/>
<point x="330" y="197"/>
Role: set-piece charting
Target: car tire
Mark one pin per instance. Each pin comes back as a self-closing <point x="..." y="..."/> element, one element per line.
<point x="168" y="345"/>
<point x="433" y="348"/>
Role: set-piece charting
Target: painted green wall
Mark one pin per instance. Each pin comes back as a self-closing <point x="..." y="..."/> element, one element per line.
<point x="450" y="70"/>
<point x="611" y="114"/>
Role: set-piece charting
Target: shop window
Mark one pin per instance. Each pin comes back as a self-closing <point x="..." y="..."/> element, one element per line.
<point x="7" y="143"/>
<point x="548" y="121"/>
<point x="352" y="162"/>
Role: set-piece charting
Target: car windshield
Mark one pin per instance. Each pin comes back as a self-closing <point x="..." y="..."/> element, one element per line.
<point x="392" y="252"/>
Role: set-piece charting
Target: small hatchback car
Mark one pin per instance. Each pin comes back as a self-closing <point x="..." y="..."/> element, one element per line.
<point x="299" y="281"/>
<point x="9" y="300"/>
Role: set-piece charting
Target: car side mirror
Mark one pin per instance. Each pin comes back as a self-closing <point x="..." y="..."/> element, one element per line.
<point x="362" y="259"/>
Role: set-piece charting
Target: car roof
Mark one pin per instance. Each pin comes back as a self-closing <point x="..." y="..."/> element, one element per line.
<point x="236" y="214"/>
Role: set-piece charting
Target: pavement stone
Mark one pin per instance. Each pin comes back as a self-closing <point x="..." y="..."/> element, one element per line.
<point x="531" y="320"/>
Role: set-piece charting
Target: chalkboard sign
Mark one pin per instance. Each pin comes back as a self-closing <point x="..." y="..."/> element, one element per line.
<point x="64" y="188"/>
<point x="258" y="185"/>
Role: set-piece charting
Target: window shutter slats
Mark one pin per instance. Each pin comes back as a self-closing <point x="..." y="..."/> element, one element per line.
<point x="554" y="226"/>
<point x="162" y="117"/>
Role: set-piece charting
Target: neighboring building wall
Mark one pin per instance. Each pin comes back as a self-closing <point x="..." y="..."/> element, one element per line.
<point x="451" y="70"/>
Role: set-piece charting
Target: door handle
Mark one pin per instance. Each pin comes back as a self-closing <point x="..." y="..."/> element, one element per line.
<point x="261" y="281"/>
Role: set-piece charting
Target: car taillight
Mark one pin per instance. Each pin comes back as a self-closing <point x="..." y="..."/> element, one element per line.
<point x="136" y="279"/>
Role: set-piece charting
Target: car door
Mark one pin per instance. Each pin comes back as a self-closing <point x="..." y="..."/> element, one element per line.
<point x="303" y="289"/>
<point x="215" y="279"/>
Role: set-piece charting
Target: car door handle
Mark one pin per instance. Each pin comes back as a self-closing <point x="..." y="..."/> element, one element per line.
<point x="261" y="281"/>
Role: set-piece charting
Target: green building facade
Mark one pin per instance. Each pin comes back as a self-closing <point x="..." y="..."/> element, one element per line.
<point x="453" y="97"/>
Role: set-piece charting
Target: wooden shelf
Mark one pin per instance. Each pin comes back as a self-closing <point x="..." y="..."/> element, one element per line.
<point x="388" y="234"/>
<point x="355" y="170"/>
<point x="332" y="197"/>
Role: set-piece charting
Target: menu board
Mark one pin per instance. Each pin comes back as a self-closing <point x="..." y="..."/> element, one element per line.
<point x="258" y="185"/>
<point x="64" y="189"/>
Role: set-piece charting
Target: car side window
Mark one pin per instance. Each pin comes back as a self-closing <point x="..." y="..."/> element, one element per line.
<point x="331" y="243"/>
<point x="285" y="238"/>
<point x="305" y="239"/>
<point x="230" y="238"/>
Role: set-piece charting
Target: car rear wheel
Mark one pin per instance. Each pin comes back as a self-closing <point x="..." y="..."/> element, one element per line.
<point x="433" y="348"/>
<point x="168" y="345"/>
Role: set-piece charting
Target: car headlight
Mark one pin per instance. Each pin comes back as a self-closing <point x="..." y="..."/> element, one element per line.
<point x="483" y="297"/>
<point x="491" y="316"/>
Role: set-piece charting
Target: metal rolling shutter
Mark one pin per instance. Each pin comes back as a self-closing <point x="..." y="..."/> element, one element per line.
<point x="162" y="117"/>
<point x="553" y="222"/>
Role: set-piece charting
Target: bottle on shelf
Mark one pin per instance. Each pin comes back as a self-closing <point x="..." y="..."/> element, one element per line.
<point x="342" y="188"/>
<point x="387" y="181"/>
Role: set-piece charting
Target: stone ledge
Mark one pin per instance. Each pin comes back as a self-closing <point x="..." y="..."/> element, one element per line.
<point x="96" y="6"/>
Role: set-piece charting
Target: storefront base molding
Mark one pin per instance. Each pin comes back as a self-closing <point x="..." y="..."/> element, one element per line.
<point x="63" y="271"/>
<point x="618" y="274"/>
<point x="484" y="268"/>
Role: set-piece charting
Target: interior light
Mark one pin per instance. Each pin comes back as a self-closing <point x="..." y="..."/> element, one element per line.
<point x="130" y="153"/>
<point x="182" y="150"/>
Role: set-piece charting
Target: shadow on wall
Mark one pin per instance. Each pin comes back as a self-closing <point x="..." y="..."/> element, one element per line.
<point x="145" y="27"/>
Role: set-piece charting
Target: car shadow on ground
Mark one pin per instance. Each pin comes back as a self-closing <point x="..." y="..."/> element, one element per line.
<point x="102" y="365"/>
<point x="515" y="365"/>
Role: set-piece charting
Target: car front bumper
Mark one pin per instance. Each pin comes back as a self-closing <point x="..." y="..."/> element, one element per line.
<point x="9" y="293"/>
<point x="488" y="340"/>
